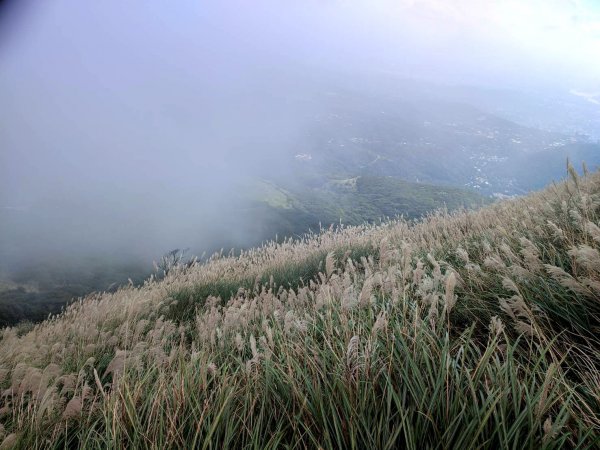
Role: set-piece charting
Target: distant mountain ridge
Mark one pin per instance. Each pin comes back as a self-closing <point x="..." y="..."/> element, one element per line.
<point x="432" y="141"/>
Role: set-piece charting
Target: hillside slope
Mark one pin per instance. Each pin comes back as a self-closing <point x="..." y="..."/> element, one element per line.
<point x="466" y="330"/>
<point x="352" y="201"/>
<point x="261" y="210"/>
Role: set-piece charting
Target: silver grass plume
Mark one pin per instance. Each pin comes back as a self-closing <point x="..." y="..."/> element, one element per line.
<point x="329" y="264"/>
<point x="449" y="297"/>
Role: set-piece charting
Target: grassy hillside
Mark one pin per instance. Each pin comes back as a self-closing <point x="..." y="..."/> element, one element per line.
<point x="465" y="330"/>
<point x="264" y="211"/>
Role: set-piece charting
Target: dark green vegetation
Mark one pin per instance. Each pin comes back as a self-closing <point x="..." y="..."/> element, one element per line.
<point x="17" y="304"/>
<point x="35" y="292"/>
<point x="350" y="201"/>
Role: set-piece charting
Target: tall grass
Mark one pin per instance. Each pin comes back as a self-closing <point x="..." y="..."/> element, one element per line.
<point x="466" y="330"/>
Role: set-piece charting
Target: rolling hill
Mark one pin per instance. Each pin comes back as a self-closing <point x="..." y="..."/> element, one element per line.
<point x="357" y="153"/>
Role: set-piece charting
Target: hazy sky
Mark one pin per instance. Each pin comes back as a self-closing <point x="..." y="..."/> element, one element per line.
<point x="125" y="120"/>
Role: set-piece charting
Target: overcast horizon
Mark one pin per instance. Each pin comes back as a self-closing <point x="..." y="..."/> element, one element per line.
<point x="125" y="124"/>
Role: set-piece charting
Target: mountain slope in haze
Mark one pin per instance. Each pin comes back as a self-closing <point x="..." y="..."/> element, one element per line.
<point x="430" y="140"/>
<point x="472" y="329"/>
<point x="579" y="112"/>
<point x="412" y="148"/>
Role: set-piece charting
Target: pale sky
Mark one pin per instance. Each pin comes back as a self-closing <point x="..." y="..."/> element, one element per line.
<point x="480" y="38"/>
<point x="505" y="36"/>
<point x="556" y="31"/>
